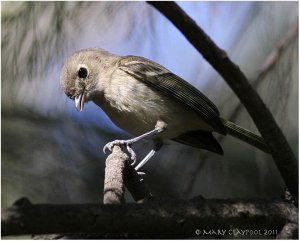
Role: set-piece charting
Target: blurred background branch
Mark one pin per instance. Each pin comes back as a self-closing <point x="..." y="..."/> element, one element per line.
<point x="270" y="62"/>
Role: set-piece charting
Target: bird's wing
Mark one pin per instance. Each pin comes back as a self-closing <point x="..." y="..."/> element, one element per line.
<point x="163" y="80"/>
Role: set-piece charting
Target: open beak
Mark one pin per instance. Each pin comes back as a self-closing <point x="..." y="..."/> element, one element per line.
<point x="79" y="101"/>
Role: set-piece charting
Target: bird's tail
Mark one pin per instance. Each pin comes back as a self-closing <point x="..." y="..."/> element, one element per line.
<point x="245" y="135"/>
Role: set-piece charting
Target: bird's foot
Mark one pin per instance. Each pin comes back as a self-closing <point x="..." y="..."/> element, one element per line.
<point x="128" y="144"/>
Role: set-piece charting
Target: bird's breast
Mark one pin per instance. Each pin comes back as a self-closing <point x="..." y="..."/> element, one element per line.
<point x="136" y="107"/>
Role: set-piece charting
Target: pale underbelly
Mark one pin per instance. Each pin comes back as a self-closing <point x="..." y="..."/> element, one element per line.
<point x="136" y="107"/>
<point x="141" y="116"/>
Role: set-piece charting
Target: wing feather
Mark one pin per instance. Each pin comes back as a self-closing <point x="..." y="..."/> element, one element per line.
<point x="163" y="80"/>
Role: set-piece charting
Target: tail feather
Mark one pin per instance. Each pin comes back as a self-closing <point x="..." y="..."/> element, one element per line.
<point x="245" y="135"/>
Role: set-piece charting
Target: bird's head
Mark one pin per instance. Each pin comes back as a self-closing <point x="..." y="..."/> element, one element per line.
<point x="82" y="73"/>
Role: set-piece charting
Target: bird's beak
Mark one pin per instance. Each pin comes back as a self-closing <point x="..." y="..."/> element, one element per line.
<point x="79" y="101"/>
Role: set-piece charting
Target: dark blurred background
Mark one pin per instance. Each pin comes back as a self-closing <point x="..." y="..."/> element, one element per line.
<point x="52" y="153"/>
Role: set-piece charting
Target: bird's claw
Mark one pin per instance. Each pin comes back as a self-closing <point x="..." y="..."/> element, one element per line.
<point x="128" y="143"/>
<point x="108" y="146"/>
<point x="132" y="154"/>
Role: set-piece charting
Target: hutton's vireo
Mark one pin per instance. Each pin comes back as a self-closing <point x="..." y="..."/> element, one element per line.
<point x="148" y="101"/>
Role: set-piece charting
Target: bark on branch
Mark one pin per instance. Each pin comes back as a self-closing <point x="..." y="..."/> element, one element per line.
<point x="165" y="218"/>
<point x="118" y="172"/>
<point x="113" y="192"/>
<point x="280" y="150"/>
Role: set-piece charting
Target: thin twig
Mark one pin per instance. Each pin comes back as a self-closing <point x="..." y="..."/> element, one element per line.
<point x="270" y="63"/>
<point x="275" y="55"/>
<point x="280" y="150"/>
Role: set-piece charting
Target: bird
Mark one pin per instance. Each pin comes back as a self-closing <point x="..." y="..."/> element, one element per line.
<point x="148" y="101"/>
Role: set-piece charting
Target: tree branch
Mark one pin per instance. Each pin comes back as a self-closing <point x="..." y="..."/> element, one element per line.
<point x="113" y="178"/>
<point x="166" y="218"/>
<point x="269" y="63"/>
<point x="280" y="150"/>
<point x="118" y="172"/>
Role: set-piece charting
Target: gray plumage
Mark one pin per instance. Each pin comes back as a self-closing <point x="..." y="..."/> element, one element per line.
<point x="136" y="93"/>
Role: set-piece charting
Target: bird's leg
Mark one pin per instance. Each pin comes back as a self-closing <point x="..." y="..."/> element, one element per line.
<point x="157" y="146"/>
<point x="159" y="127"/>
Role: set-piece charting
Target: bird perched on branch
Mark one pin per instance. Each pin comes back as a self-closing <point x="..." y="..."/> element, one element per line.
<point x="148" y="101"/>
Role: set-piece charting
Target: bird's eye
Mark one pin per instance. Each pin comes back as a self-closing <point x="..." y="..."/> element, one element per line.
<point x="82" y="72"/>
